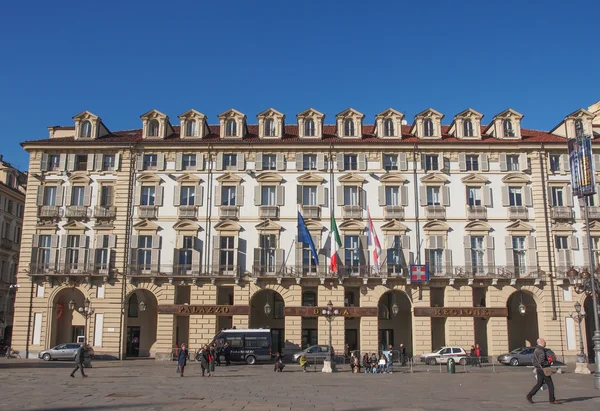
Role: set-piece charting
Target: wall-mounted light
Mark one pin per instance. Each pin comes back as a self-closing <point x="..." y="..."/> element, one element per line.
<point x="267" y="308"/>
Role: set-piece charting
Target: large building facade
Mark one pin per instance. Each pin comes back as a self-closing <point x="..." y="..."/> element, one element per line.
<point x="175" y="232"/>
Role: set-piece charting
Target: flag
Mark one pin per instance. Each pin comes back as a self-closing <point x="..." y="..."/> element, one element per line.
<point x="336" y="243"/>
<point x="374" y="245"/>
<point x="305" y="237"/>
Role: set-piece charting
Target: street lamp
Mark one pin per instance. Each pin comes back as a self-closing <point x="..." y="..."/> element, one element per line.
<point x="142" y="306"/>
<point x="267" y="308"/>
<point x="329" y="313"/>
<point x="581" y="367"/>
<point x="87" y="311"/>
<point x="522" y="308"/>
<point x="395" y="309"/>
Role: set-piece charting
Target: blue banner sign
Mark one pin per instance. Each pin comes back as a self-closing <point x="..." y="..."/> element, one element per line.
<point x="582" y="166"/>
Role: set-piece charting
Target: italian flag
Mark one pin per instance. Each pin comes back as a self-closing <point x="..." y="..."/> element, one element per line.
<point x="336" y="243"/>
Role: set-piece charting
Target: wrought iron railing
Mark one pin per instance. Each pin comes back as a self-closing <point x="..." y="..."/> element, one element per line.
<point x="181" y="270"/>
<point x="105" y="212"/>
<point x="83" y="269"/>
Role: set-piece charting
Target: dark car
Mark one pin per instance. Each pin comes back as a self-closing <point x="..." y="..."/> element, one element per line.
<point x="523" y="356"/>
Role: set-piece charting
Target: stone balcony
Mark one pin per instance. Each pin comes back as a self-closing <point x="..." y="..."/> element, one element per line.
<point x="352" y="211"/>
<point x="562" y="213"/>
<point x="393" y="213"/>
<point x="433" y="212"/>
<point x="77" y="212"/>
<point x="228" y="212"/>
<point x="311" y="211"/>
<point x="518" y="213"/>
<point x="105" y="212"/>
<point x="187" y="211"/>
<point x="147" y="212"/>
<point x="268" y="212"/>
<point x="49" y="211"/>
<point x="476" y="213"/>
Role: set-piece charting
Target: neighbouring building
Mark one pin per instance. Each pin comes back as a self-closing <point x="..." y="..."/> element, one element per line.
<point x="175" y="232"/>
<point x="12" y="204"/>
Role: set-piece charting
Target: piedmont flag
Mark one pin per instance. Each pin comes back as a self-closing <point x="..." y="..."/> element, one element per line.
<point x="305" y="237"/>
<point x="374" y="245"/>
<point x="336" y="243"/>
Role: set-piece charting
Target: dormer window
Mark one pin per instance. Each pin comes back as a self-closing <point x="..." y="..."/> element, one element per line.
<point x="231" y="129"/>
<point x="191" y="128"/>
<point x="153" y="128"/>
<point x="349" y="128"/>
<point x="269" y="127"/>
<point x="468" y="128"/>
<point x="88" y="126"/>
<point x="578" y="128"/>
<point x="388" y="129"/>
<point x="86" y="129"/>
<point x="428" y="127"/>
<point x="509" y="131"/>
<point x="309" y="128"/>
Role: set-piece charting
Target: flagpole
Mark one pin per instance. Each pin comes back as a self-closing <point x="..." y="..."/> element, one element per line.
<point x="331" y="191"/>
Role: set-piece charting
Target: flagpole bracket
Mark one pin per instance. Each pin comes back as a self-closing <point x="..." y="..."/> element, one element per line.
<point x="341" y="280"/>
<point x="255" y="280"/>
<point x="279" y="279"/>
<point x="384" y="281"/>
<point x="322" y="280"/>
<point x="365" y="280"/>
<point x="298" y="280"/>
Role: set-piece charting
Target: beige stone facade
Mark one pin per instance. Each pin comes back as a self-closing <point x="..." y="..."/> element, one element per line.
<point x="206" y="215"/>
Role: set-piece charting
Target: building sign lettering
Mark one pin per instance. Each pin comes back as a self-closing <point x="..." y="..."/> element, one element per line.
<point x="186" y="309"/>
<point x="343" y="311"/>
<point x="460" y="312"/>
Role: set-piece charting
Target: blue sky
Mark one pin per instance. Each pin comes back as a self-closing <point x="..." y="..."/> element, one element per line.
<point x="120" y="59"/>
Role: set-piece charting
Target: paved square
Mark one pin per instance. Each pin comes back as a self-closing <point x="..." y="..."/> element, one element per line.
<point x="150" y="385"/>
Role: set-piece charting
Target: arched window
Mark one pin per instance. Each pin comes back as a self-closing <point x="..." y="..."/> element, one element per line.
<point x="153" y="128"/>
<point x="309" y="299"/>
<point x="86" y="129"/>
<point x="468" y="128"/>
<point x="191" y="129"/>
<point x="231" y="128"/>
<point x="578" y="128"/>
<point x="388" y="128"/>
<point x="309" y="127"/>
<point x="132" y="308"/>
<point x="428" y="125"/>
<point x="269" y="127"/>
<point x="349" y="127"/>
<point x="508" y="128"/>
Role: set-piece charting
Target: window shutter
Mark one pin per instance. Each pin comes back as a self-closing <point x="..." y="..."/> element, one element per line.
<point x="68" y="196"/>
<point x="531" y="253"/>
<point x="44" y="162"/>
<point x="155" y="260"/>
<point x="83" y="241"/>
<point x="257" y="196"/>
<point x="299" y="192"/>
<point x="321" y="196"/>
<point x="87" y="196"/>
<point x="178" y="242"/>
<point x="239" y="196"/>
<point x="196" y="255"/>
<point x="298" y="258"/>
<point x="462" y="162"/>
<point x="256" y="265"/>
<point x="280" y="161"/>
<point x="596" y="162"/>
<point x="36" y="240"/>
<point x="71" y="162"/>
<point x="448" y="261"/>
<point x="439" y="240"/>
<point x="199" y="197"/>
<point x="405" y="242"/>
<point x="218" y="200"/>
<point x="528" y="197"/>
<point x="216" y="254"/>
<point x="258" y="162"/>
<point x="484" y="163"/>
<point x="299" y="161"/>
<point x="241" y="162"/>
<point x="279" y="260"/>
<point x="363" y="198"/>
<point x="585" y="245"/>
<point x="381" y="192"/>
<point x="523" y="163"/>
<point x="362" y="161"/>
<point x="503" y="163"/>
<point x="487" y="196"/>
<point x="177" y="196"/>
<point x="573" y="243"/>
<point x="467" y="247"/>
<point x="99" y="159"/>
<point x="363" y="244"/>
<point x="90" y="161"/>
<point x="404" y="196"/>
<point x="117" y="161"/>
<point x="179" y="161"/>
<point x="508" y="245"/>
<point x="427" y="250"/>
<point x="40" y="196"/>
<point x="62" y="162"/>
<point x="569" y="196"/>
<point x="138" y="195"/>
<point x="160" y="161"/>
<point x="564" y="159"/>
<point x="446" y="196"/>
<point x="62" y="256"/>
<point x="199" y="161"/>
<point x="423" y="163"/>
<point x="280" y="194"/>
<point x="59" y="195"/>
<point x="133" y="241"/>
<point x="112" y="241"/>
<point x="340" y="195"/>
<point x="561" y="258"/>
<point x="339" y="160"/>
<point x="489" y="253"/>
<point x="321" y="162"/>
<point x="155" y="241"/>
<point x="53" y="250"/>
<point x="441" y="162"/>
<point x="219" y="161"/>
<point x="158" y="200"/>
<point x="550" y="196"/>
<point x="505" y="197"/>
<point x="423" y="196"/>
<point x="402" y="163"/>
<point x="139" y="162"/>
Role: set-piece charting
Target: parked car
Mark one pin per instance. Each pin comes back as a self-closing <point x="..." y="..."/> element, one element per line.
<point x="523" y="356"/>
<point x="314" y="354"/>
<point x="443" y="354"/>
<point x="60" y="352"/>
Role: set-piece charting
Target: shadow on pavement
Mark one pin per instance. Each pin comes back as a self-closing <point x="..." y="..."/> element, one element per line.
<point x="99" y="407"/>
<point x="32" y="364"/>
<point x="578" y="399"/>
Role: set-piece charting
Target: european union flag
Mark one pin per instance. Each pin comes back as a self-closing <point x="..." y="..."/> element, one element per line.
<point x="304" y="237"/>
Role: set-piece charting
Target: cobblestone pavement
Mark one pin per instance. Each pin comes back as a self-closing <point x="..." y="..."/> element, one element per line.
<point x="150" y="385"/>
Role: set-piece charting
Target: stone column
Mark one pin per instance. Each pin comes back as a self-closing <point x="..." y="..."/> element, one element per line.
<point x="335" y="293"/>
<point x="421" y="326"/>
<point x="497" y="326"/>
<point x="368" y="334"/>
<point x="293" y="333"/>
<point x="460" y="330"/>
<point x="165" y="335"/>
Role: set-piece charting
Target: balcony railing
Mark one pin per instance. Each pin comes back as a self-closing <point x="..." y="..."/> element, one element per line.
<point x="309" y="211"/>
<point x="393" y="212"/>
<point x="228" y="212"/>
<point x="77" y="211"/>
<point x="562" y="213"/>
<point x="352" y="211"/>
<point x="187" y="211"/>
<point x="49" y="211"/>
<point x="83" y="269"/>
<point x="593" y="213"/>
<point x="436" y="212"/>
<point x="147" y="212"/>
<point x="6" y="243"/>
<point x="518" y="213"/>
<point x="268" y="211"/>
<point x="477" y="213"/>
<point x="105" y="212"/>
<point x="181" y="270"/>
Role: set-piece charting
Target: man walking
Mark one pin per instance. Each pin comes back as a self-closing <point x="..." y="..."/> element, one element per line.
<point x="543" y="372"/>
<point x="227" y="353"/>
<point x="402" y="355"/>
<point x="79" y="359"/>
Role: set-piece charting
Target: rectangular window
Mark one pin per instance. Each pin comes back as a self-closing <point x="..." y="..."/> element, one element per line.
<point x="72" y="252"/>
<point x="50" y="196"/>
<point x="187" y="196"/>
<point x="352" y="252"/>
<point x="108" y="162"/>
<point x="188" y="161"/>
<point x="8" y="206"/>
<point x="431" y="162"/>
<point x="433" y="196"/>
<point x="554" y="163"/>
<point x="148" y="195"/>
<point x="150" y="161"/>
<point x="227" y="252"/>
<point x="106" y="196"/>
<point x="44" y="249"/>
<point x="309" y="195"/>
<point x="472" y="163"/>
<point x="228" y="195"/>
<point x="229" y="161"/>
<point x="20" y="210"/>
<point x="309" y="161"/>
<point x="561" y="242"/>
<point x="515" y="197"/>
<point x="474" y="196"/>
<point x="77" y="193"/>
<point x="395" y="258"/>
<point x="185" y="252"/>
<point x="512" y="163"/>
<point x="519" y="251"/>
<point x="144" y="252"/>
<point x="53" y="162"/>
<point x="557" y="196"/>
<point x="81" y="162"/>
<point x="350" y="162"/>
<point x="267" y="251"/>
<point x="308" y="262"/>
<point x="392" y="195"/>
<point x="390" y="162"/>
<point x="435" y="261"/>
<point x="477" y="250"/>
<point x="268" y="196"/>
<point x="18" y="235"/>
<point x="351" y="195"/>
<point x="589" y="201"/>
<point x="269" y="162"/>
<point x="102" y="254"/>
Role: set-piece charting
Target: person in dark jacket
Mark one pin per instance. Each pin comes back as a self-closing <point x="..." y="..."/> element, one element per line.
<point x="218" y="351"/>
<point x="278" y="367"/>
<point x="182" y="358"/>
<point x="227" y="353"/>
<point x="204" y="363"/>
<point x="79" y="359"/>
<point x="402" y="355"/>
<point x="540" y="362"/>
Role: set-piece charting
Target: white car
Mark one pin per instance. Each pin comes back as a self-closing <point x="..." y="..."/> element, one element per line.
<point x="443" y="354"/>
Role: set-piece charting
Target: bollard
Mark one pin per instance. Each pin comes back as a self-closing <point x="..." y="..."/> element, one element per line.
<point x="451" y="366"/>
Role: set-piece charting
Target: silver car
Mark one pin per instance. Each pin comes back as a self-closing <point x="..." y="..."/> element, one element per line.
<point x="523" y="356"/>
<point x="60" y="352"/>
<point x="314" y="354"/>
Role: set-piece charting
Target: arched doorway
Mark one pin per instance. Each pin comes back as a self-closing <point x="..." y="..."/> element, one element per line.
<point x="395" y="321"/>
<point x="266" y="311"/>
<point x="523" y="330"/>
<point x="590" y="327"/>
<point x="68" y="325"/>
<point x="141" y="315"/>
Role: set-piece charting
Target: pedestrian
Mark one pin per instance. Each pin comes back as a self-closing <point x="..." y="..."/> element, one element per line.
<point x="217" y="351"/>
<point x="227" y="353"/>
<point x="382" y="364"/>
<point x="543" y="372"/>
<point x="402" y="355"/>
<point x="182" y="358"/>
<point x="79" y="359"/>
<point x="390" y="360"/>
<point x="366" y="363"/>
<point x="374" y="361"/>
<point x="204" y="360"/>
<point x="278" y="367"/>
<point x="478" y="354"/>
<point x="472" y="356"/>
<point x="211" y="358"/>
<point x="302" y="362"/>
